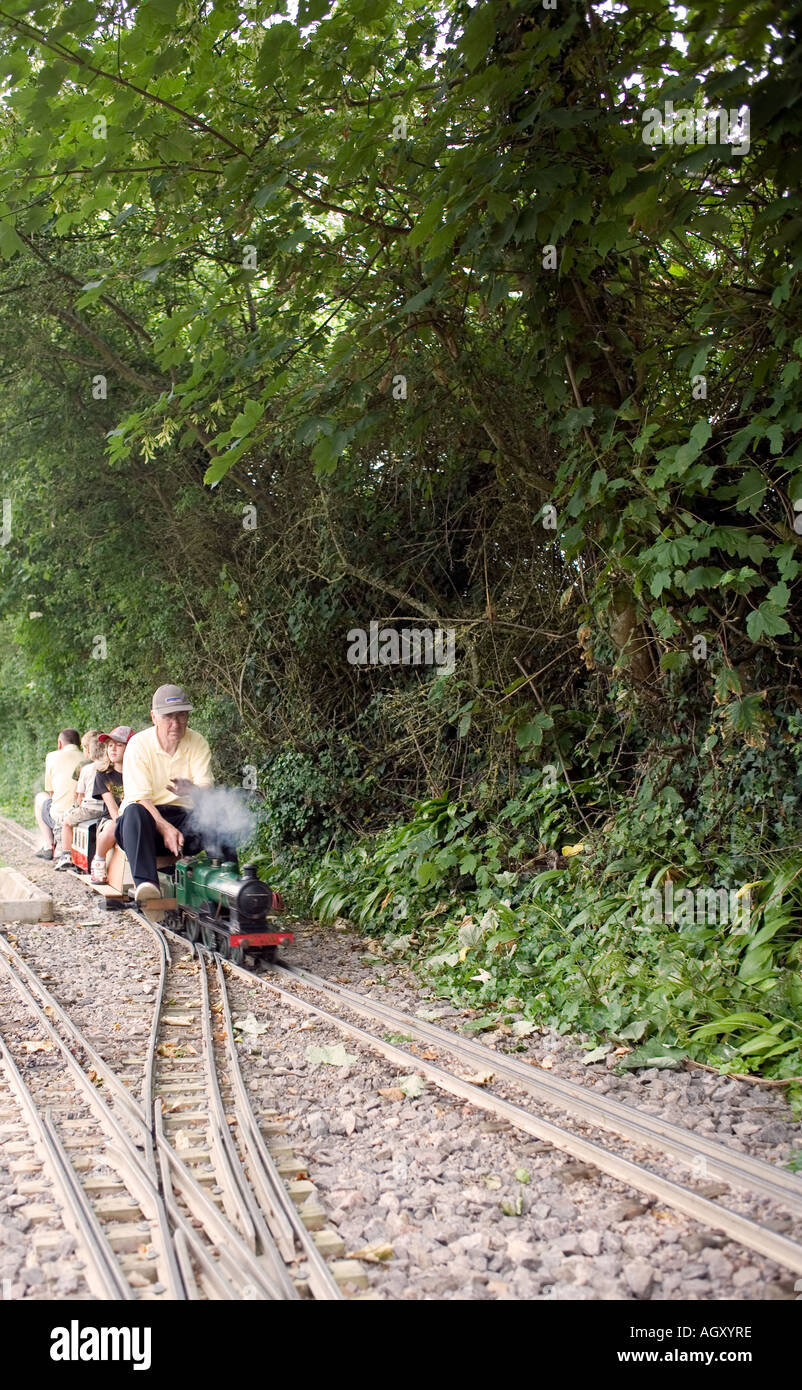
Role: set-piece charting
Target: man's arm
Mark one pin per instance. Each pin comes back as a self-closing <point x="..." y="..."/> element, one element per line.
<point x="200" y="769"/>
<point x="173" y="839"/>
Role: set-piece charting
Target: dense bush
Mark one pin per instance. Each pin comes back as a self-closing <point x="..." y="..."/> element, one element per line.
<point x="396" y="314"/>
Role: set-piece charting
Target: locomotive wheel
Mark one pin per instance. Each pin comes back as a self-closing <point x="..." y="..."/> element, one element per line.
<point x="191" y="926"/>
<point x="236" y="954"/>
<point x="208" y="938"/>
<point x="270" y="954"/>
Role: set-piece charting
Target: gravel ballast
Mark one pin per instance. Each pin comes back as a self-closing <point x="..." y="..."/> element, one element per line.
<point x="450" y="1203"/>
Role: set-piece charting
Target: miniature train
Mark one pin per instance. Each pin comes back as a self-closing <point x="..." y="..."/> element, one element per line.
<point x="230" y="911"/>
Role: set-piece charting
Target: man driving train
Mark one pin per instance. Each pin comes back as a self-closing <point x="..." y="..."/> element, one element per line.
<point x="162" y="768"/>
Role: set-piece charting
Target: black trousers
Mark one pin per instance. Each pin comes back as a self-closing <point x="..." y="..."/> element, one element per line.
<point x="136" y="834"/>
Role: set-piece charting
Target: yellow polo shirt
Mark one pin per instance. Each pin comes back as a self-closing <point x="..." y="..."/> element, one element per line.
<point x="147" y="768"/>
<point x="59" y="779"/>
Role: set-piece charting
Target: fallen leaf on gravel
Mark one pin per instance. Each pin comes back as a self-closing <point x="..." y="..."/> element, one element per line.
<point x="547" y="1063"/>
<point x="95" y="1077"/>
<point x="184" y="1139"/>
<point x="49" y="1010"/>
<point x="522" y="1028"/>
<point x="512" y="1206"/>
<point x="576" y="1172"/>
<point x="36" y="1046"/>
<point x="332" y="1056"/>
<point x="480" y="1078"/>
<point x="391" y="1092"/>
<point x="712" y="1189"/>
<point x="522" y="1175"/>
<point x="621" y="1051"/>
<point x="249" y="1025"/>
<point x="429" y="1015"/>
<point x="374" y="1254"/>
<point x="176" y="1050"/>
<point x="307" y="1023"/>
<point x="492" y="1181"/>
<point x="412" y="1085"/>
<point x="597" y="1055"/>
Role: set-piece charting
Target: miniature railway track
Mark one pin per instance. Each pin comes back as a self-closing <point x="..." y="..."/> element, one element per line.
<point x="172" y="1196"/>
<point x="738" y="1228"/>
<point x="85" y="1142"/>
<point x="754" y="1175"/>
<point x="207" y="1134"/>
<point x="578" y="1102"/>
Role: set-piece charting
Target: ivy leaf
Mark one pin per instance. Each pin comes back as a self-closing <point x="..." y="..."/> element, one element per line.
<point x="530" y="735"/>
<point x="766" y="621"/>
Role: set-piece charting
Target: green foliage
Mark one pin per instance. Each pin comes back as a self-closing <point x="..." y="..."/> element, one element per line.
<point x="575" y="942"/>
<point x="257" y="230"/>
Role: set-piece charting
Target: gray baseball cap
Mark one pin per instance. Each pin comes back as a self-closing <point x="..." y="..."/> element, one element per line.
<point x="170" y="699"/>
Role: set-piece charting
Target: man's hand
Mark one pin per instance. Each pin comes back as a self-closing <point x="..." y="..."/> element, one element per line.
<point x="173" y="839"/>
<point x="181" y="786"/>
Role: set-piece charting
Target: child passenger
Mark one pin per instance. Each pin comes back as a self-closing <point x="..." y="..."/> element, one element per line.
<point x="108" y="785"/>
<point x="85" y="807"/>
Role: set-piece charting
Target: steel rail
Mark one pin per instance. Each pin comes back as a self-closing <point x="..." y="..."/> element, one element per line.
<point x="226" y="1235"/>
<point x="282" y="1234"/>
<point x="147" y="1187"/>
<point x="744" y="1231"/>
<point x="264" y="1170"/>
<point x="234" y="1254"/>
<point x="741" y="1170"/>
<point x="109" y="1078"/>
<point x="279" y="1210"/>
<point x="237" y="1200"/>
<point x="162" y="1161"/>
<point x="102" y="1273"/>
<point x="153" y="1036"/>
<point x="186" y="1238"/>
<point x="250" y="1213"/>
<point x="247" y="1212"/>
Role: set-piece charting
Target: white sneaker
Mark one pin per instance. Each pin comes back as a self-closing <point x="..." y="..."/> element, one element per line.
<point x="64" y="861"/>
<point x="146" y="891"/>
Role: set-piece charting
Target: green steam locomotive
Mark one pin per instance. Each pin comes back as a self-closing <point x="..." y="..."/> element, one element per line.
<point x="229" y="910"/>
